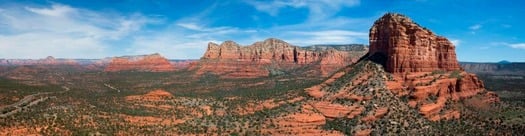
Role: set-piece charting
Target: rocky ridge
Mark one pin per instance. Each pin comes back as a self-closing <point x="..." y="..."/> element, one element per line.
<point x="152" y="63"/>
<point x="231" y="60"/>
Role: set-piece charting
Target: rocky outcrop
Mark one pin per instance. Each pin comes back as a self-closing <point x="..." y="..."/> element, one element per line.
<point x="330" y="110"/>
<point x="307" y="122"/>
<point x="423" y="65"/>
<point x="230" y="60"/>
<point x="409" y="79"/>
<point x="155" y="95"/>
<point x="151" y="63"/>
<point x="404" y="46"/>
<point x="432" y="91"/>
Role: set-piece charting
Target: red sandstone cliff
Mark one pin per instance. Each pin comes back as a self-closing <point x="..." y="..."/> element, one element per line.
<point x="423" y="65"/>
<point x="410" y="47"/>
<point x="419" y="72"/>
<point x="230" y="60"/>
<point x="152" y="63"/>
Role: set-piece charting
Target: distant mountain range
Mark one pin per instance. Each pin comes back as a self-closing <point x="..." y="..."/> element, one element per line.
<point x="499" y="68"/>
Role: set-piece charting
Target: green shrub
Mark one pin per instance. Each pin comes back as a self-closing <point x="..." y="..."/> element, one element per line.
<point x="438" y="72"/>
<point x="455" y="74"/>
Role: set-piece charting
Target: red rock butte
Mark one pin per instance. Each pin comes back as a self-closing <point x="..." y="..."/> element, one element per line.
<point x="152" y="63"/>
<point x="263" y="52"/>
<point x="231" y="60"/>
<point x="403" y="46"/>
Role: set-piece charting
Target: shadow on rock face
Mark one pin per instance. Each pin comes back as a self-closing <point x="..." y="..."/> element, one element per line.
<point x="378" y="57"/>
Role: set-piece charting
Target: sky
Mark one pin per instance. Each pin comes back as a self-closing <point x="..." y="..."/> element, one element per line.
<point x="482" y="30"/>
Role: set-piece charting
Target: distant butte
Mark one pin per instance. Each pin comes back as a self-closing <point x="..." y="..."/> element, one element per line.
<point x="152" y="63"/>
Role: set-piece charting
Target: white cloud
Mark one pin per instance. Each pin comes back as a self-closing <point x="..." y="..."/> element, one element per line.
<point x="475" y="27"/>
<point x="39" y="45"/>
<point x="56" y="10"/>
<point x="319" y="9"/>
<point x="325" y="37"/>
<point x="191" y="26"/>
<point x="185" y="41"/>
<point x="332" y="33"/>
<point x="64" y="31"/>
<point x="196" y="27"/>
<point x="499" y="43"/>
<point x="518" y="45"/>
<point x="68" y="32"/>
<point x="169" y="45"/>
<point x="512" y="45"/>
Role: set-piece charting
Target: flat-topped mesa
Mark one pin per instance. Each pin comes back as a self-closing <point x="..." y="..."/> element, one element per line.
<point x="264" y="51"/>
<point x="403" y="46"/>
<point x="231" y="60"/>
<point x="153" y="63"/>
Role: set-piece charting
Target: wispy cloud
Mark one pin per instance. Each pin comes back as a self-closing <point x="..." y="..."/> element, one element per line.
<point x="512" y="45"/>
<point x="518" y="45"/>
<point x="168" y="44"/>
<point x="475" y="27"/>
<point x="322" y="25"/>
<point x="191" y="26"/>
<point x="326" y="37"/>
<point x="63" y="31"/>
<point x="318" y="9"/>
<point x="194" y="26"/>
<point x="56" y="10"/>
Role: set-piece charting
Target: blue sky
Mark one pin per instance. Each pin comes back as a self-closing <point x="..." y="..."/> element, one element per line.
<point x="483" y="30"/>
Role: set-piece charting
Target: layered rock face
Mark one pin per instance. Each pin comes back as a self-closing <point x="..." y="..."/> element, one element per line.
<point x="151" y="63"/>
<point x="412" y="85"/>
<point x="262" y="52"/>
<point x="423" y="65"/>
<point x="404" y="46"/>
<point x="230" y="60"/>
<point x="182" y="64"/>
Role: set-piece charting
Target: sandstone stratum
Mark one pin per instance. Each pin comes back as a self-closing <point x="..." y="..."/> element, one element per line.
<point x="273" y="56"/>
<point x="152" y="63"/>
<point x="409" y="47"/>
